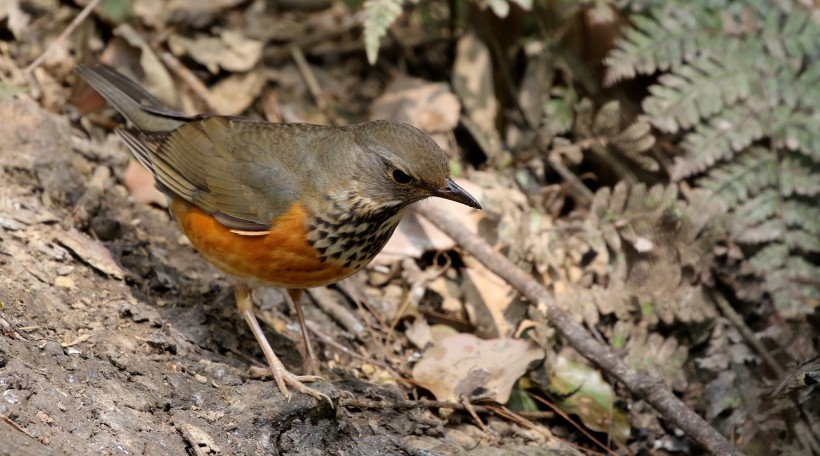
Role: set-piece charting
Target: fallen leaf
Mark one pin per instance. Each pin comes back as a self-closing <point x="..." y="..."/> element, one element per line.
<point x="230" y="51"/>
<point x="430" y="106"/>
<point x="234" y="94"/>
<point x="464" y="365"/>
<point x="157" y="80"/>
<point x="90" y="251"/>
<point x="419" y="333"/>
<point x="473" y="83"/>
<point x="588" y="396"/>
<point x="140" y="184"/>
<point x="489" y="299"/>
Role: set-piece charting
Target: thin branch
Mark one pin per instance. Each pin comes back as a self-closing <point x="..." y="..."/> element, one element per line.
<point x="747" y="333"/>
<point x="645" y="386"/>
<point x="68" y="30"/>
<point x="426" y="403"/>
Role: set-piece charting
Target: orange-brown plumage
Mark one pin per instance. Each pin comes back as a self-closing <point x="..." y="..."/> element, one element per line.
<point x="280" y="257"/>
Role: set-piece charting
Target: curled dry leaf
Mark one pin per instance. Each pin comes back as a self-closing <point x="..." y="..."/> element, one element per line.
<point x="464" y="365"/>
<point x="431" y="106"/>
<point x="231" y="51"/>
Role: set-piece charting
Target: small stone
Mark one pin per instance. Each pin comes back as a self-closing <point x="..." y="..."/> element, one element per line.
<point x="65" y="270"/>
<point x="368" y="369"/>
<point x="64" y="282"/>
<point x="201" y="378"/>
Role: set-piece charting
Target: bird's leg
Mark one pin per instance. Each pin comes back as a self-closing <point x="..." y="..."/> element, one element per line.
<point x="309" y="365"/>
<point x="282" y="376"/>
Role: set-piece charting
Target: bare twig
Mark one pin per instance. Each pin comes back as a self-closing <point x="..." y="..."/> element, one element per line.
<point x="15" y="425"/>
<point x="747" y="333"/>
<point x="189" y="78"/>
<point x="645" y="386"/>
<point x="339" y="312"/>
<point x="582" y="429"/>
<point x="68" y="30"/>
<point x="470" y="408"/>
<point x="425" y="403"/>
<point x="583" y="195"/>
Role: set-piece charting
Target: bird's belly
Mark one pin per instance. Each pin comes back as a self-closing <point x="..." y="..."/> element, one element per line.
<point x="282" y="257"/>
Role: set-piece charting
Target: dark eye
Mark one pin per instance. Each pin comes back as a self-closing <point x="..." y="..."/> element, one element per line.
<point x="401" y="177"/>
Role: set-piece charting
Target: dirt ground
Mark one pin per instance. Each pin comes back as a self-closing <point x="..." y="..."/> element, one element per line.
<point x="118" y="339"/>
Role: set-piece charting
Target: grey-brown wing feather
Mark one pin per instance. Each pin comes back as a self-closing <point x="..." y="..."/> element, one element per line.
<point x="244" y="173"/>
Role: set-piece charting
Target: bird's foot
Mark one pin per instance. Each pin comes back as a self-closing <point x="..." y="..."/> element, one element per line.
<point x="285" y="378"/>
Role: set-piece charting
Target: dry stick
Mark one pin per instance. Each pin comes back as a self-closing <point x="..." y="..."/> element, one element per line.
<point x="189" y="78"/>
<point x="645" y="386"/>
<point x="747" y="333"/>
<point x="426" y="403"/>
<point x="68" y="30"/>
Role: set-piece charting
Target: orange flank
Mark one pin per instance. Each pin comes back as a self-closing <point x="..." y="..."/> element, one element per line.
<point x="280" y="257"/>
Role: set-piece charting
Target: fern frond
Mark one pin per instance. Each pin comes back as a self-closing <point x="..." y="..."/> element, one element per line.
<point x="727" y="133"/>
<point x="378" y="16"/>
<point x="750" y="118"/>
<point x="793" y="287"/>
<point x="661" y="42"/>
<point x="802" y="214"/>
<point x="799" y="176"/>
<point x="747" y="175"/>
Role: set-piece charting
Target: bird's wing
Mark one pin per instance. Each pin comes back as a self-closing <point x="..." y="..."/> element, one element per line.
<point x="245" y="173"/>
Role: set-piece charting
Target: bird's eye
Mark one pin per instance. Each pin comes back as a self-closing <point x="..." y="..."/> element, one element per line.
<point x="401" y="177"/>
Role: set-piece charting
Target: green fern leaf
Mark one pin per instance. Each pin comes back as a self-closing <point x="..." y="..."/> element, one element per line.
<point x="747" y="175"/>
<point x="727" y="133"/>
<point x="661" y="42"/>
<point x="378" y="16"/>
<point x="799" y="176"/>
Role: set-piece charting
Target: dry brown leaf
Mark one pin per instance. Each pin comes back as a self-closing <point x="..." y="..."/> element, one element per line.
<point x="17" y="20"/>
<point x="464" y="365"/>
<point x="231" y="51"/>
<point x="489" y="301"/>
<point x="234" y="94"/>
<point x="157" y="80"/>
<point x="419" y="333"/>
<point x="90" y="251"/>
<point x="430" y="106"/>
<point x="140" y="184"/>
<point x="159" y="13"/>
<point x="473" y="83"/>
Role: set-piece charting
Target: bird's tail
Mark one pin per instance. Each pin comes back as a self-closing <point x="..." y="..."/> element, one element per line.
<point x="132" y="101"/>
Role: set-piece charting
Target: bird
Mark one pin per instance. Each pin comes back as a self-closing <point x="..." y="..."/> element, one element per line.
<point x="287" y="205"/>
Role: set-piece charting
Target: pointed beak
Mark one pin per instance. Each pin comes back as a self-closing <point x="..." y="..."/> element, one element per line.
<point x="455" y="193"/>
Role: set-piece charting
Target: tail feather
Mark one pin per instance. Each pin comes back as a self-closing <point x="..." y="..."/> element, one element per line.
<point x="132" y="101"/>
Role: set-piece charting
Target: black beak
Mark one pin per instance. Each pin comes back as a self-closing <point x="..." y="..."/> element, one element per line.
<point x="455" y="193"/>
